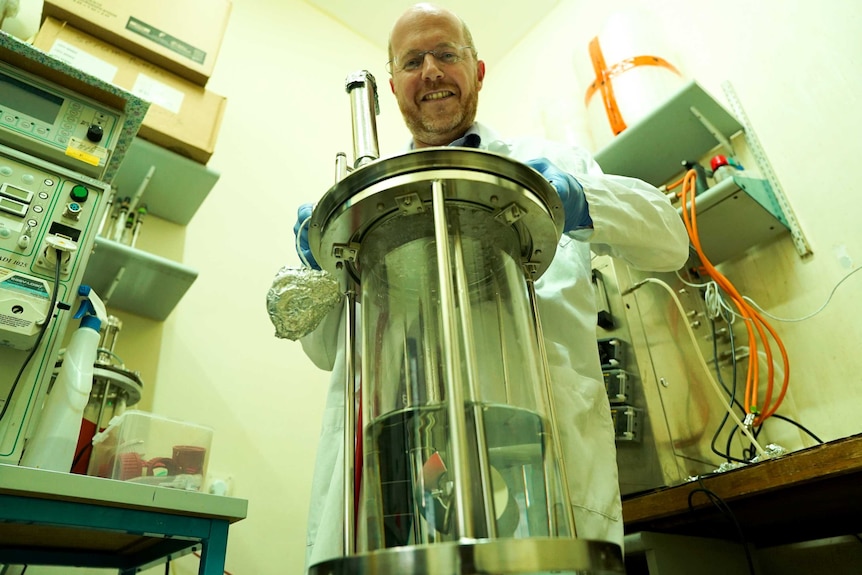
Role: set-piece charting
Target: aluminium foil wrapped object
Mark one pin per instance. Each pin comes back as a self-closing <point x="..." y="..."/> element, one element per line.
<point x="299" y="299"/>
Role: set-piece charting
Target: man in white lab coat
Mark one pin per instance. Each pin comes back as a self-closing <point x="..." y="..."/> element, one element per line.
<point x="436" y="78"/>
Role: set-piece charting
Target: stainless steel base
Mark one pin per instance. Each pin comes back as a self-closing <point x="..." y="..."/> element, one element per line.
<point x="486" y="557"/>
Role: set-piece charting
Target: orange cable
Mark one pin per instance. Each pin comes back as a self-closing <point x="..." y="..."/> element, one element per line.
<point x="675" y="184"/>
<point x="749" y="313"/>
<point x="766" y="410"/>
<point x="691" y="225"/>
<point x="753" y="368"/>
<point x="759" y="325"/>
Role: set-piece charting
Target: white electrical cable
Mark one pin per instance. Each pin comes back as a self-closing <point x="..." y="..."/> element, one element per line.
<point x="734" y="314"/>
<point x="810" y="315"/>
<point x="690" y="284"/>
<point x="703" y="364"/>
<point x="712" y="298"/>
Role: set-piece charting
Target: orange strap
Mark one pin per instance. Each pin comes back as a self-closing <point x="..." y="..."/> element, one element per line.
<point x="604" y="75"/>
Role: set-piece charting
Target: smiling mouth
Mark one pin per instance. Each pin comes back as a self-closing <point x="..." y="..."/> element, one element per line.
<point x="437" y="95"/>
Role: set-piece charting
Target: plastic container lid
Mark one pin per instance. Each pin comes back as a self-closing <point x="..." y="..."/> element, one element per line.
<point x="718" y="161"/>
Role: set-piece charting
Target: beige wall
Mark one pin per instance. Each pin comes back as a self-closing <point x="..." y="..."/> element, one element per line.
<point x="794" y="65"/>
<point x="794" y="68"/>
<point x="283" y="67"/>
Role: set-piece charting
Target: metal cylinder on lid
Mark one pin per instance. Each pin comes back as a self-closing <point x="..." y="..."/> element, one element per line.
<point x="458" y="465"/>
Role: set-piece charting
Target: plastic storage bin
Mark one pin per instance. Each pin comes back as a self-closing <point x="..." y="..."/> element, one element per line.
<point x="147" y="448"/>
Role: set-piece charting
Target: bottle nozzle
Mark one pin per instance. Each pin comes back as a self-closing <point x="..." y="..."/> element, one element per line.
<point x="91" y="305"/>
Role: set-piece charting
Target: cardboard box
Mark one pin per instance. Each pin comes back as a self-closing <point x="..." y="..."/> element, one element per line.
<point x="184" y="117"/>
<point x="148" y="448"/>
<point x="182" y="36"/>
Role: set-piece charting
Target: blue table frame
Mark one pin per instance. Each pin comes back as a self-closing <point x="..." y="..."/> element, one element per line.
<point x="49" y="518"/>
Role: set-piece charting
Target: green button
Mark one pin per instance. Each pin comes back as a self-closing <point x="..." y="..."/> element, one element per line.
<point x="79" y="193"/>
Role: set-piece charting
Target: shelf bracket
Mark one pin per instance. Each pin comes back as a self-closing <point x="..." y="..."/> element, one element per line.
<point x="765" y="167"/>
<point x="716" y="133"/>
<point x="114" y="283"/>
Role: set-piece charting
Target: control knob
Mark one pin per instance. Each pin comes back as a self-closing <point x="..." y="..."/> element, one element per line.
<point x="95" y="133"/>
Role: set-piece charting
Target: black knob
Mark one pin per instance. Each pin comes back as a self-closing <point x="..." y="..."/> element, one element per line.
<point x="95" y="133"/>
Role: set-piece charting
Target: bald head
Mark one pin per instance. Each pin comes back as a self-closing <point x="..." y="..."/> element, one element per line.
<point x="434" y="74"/>
<point x="422" y="12"/>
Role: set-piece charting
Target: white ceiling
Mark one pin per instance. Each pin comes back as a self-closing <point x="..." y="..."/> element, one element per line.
<point x="497" y="25"/>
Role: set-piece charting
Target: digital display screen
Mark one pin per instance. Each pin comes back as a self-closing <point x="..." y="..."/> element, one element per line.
<point x="28" y="99"/>
<point x="13" y="207"/>
<point x="16" y="193"/>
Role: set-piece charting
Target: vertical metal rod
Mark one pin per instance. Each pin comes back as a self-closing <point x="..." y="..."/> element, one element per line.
<point x="108" y="339"/>
<point x="527" y="499"/>
<point x="340" y="166"/>
<point x="114" y="283"/>
<point x="433" y="386"/>
<point x="106" y="388"/>
<point x="409" y="382"/>
<point x="349" y="416"/>
<point x="473" y="395"/>
<point x="504" y="348"/>
<point x="363" y="103"/>
<point x="142" y="187"/>
<point x="417" y="461"/>
<point x="108" y="210"/>
<point x="552" y="412"/>
<point x="457" y="420"/>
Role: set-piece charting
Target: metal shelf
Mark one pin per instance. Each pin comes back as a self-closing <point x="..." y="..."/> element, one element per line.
<point x="735" y="214"/>
<point x="687" y="126"/>
<point x="732" y="216"/>
<point x="136" y="281"/>
<point x="178" y="185"/>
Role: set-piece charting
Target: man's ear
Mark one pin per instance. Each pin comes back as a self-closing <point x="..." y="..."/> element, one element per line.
<point x="392" y="85"/>
<point x="480" y="72"/>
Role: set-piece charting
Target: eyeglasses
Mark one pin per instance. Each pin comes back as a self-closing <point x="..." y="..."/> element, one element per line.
<point x="412" y="61"/>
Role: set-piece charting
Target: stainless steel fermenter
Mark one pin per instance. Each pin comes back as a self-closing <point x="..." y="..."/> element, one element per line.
<point x="453" y="460"/>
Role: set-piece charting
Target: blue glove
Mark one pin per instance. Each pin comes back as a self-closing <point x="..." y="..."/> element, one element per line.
<point x="300" y="230"/>
<point x="571" y="193"/>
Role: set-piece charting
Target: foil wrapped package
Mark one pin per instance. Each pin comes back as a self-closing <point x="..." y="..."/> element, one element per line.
<point x="299" y="299"/>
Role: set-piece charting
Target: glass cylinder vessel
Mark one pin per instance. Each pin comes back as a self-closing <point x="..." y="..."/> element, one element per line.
<point x="408" y="492"/>
<point x="456" y="443"/>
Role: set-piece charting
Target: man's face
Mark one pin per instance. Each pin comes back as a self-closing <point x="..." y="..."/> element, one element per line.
<point x="438" y="99"/>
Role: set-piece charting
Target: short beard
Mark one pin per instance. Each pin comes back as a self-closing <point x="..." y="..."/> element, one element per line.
<point x="440" y="132"/>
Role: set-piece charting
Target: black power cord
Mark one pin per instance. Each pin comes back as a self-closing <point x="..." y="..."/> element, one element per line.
<point x="725" y="510"/>
<point x="39" y="338"/>
<point x="730" y="392"/>
<point x="748" y="454"/>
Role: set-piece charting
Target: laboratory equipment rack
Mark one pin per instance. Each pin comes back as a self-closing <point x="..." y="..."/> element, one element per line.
<point x="51" y="518"/>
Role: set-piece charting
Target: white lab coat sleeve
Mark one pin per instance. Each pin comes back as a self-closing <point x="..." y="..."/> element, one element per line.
<point x="325" y="346"/>
<point x="322" y="345"/>
<point x="326" y="509"/>
<point x="632" y="220"/>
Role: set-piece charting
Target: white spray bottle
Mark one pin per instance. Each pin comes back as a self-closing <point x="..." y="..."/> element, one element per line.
<point x="53" y="443"/>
